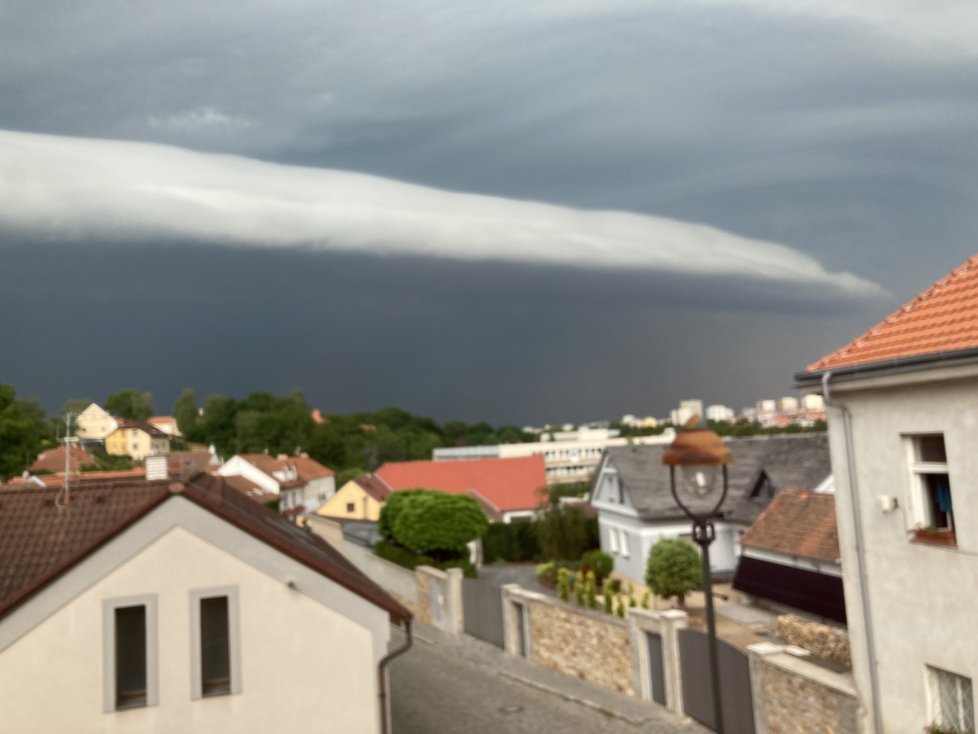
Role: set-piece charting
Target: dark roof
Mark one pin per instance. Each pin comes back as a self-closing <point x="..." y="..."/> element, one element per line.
<point x="797" y="523"/>
<point x="374" y="486"/>
<point x="40" y="540"/>
<point x="153" y="431"/>
<point x="762" y="466"/>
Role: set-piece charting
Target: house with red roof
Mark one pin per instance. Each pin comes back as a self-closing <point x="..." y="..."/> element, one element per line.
<point x="300" y="483"/>
<point x="161" y="606"/>
<point x="508" y="489"/>
<point x="902" y="402"/>
<point x="52" y="461"/>
<point x="789" y="556"/>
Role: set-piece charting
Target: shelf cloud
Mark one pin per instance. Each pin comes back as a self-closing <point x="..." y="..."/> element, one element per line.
<point x="79" y="188"/>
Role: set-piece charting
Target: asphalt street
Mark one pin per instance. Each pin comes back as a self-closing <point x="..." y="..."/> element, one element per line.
<point x="447" y="685"/>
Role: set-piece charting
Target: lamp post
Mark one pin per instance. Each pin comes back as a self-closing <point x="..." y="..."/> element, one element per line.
<point x="701" y="456"/>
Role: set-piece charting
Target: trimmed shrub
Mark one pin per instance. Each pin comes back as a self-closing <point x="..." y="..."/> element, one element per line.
<point x="673" y="569"/>
<point x="600" y="562"/>
<point x="608" y="595"/>
<point x="590" y="590"/>
<point x="563" y="584"/>
<point x="401" y="556"/>
<point x="579" y="590"/>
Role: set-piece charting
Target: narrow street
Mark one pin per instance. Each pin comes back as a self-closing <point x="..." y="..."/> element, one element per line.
<point x="462" y="686"/>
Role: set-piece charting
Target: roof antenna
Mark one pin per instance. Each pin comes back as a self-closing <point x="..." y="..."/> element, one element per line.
<point x="66" y="487"/>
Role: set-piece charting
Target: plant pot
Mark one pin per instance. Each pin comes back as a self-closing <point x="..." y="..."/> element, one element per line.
<point x="931" y="536"/>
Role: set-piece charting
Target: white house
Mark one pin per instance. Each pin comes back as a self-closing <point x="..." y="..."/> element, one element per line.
<point x="903" y="423"/>
<point x="169" y="607"/>
<point x="636" y="509"/>
<point x="94" y="423"/>
<point x="301" y="483"/>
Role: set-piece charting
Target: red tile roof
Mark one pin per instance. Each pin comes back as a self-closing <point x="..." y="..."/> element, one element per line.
<point x="797" y="523"/>
<point x="509" y="484"/>
<point x="373" y="486"/>
<point x="943" y="318"/>
<point x="307" y="469"/>
<point x="41" y="539"/>
<point x="53" y="460"/>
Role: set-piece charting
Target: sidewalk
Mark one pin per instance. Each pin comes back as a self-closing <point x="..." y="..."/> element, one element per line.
<point x="648" y="716"/>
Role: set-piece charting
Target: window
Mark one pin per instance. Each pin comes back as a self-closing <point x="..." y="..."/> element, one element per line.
<point x="349" y="507"/>
<point x="932" y="485"/>
<point x="624" y="544"/>
<point x="129" y="653"/>
<point x="613" y="539"/>
<point x="214" y="642"/>
<point x="951" y="704"/>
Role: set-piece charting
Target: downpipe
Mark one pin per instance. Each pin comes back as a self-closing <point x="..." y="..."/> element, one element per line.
<point x="860" y="558"/>
<point x="382" y="675"/>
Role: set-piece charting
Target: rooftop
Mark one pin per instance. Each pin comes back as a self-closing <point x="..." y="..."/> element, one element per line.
<point x="797" y="523"/>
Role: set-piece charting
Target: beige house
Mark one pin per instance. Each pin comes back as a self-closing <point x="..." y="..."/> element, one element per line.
<point x="159" y="609"/>
<point x="94" y="423"/>
<point x="358" y="499"/>
<point x="137" y="440"/>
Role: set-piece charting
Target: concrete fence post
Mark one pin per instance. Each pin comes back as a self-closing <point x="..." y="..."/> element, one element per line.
<point x="453" y="601"/>
<point x="666" y="625"/>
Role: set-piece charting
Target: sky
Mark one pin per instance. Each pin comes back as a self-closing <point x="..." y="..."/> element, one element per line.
<point x="517" y="212"/>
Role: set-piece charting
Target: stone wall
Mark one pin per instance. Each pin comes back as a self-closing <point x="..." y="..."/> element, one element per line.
<point x="589" y="645"/>
<point x="826" y="642"/>
<point x="794" y="696"/>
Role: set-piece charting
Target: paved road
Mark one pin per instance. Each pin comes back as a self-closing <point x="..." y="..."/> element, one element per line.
<point x="462" y="686"/>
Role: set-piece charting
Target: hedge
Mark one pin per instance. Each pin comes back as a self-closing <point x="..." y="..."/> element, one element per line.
<point x="511" y="542"/>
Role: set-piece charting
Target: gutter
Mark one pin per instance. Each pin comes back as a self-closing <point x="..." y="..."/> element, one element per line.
<point x="902" y="365"/>
<point x="874" y="685"/>
<point x="382" y="676"/>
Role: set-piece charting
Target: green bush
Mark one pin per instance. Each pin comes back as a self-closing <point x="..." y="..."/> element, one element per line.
<point x="563" y="584"/>
<point x="547" y="572"/>
<point x="673" y="569"/>
<point x="468" y="570"/>
<point x="401" y="556"/>
<point x="600" y="562"/>
<point x="565" y="532"/>
<point x="513" y="542"/>
<point x="591" y="590"/>
<point x="434" y="523"/>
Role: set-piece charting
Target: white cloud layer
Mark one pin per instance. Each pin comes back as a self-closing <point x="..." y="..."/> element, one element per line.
<point x="77" y="187"/>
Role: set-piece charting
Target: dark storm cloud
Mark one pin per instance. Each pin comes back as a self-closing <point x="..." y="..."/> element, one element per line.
<point x="497" y="341"/>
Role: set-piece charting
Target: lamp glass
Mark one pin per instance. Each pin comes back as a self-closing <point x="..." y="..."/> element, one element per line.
<point x="699" y="480"/>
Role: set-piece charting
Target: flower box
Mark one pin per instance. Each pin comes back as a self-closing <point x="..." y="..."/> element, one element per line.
<point x="935" y="536"/>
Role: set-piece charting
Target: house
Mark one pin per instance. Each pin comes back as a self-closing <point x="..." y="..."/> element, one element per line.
<point x="94" y="424"/>
<point x="359" y="499"/>
<point x="789" y="557"/>
<point x="137" y="441"/>
<point x="52" y="461"/>
<point x="903" y="418"/>
<point x="301" y="484"/>
<point x="165" y="607"/>
<point x="165" y="423"/>
<point x="508" y="489"/>
<point x="632" y="495"/>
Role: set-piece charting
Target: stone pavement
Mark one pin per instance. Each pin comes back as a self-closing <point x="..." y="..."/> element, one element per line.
<point x="447" y="684"/>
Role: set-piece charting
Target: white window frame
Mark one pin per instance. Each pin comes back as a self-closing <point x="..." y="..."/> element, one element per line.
<point x="234" y="639"/>
<point x="964" y="690"/>
<point x="625" y="553"/>
<point x="109" y="698"/>
<point x="613" y="539"/>
<point x="919" y="515"/>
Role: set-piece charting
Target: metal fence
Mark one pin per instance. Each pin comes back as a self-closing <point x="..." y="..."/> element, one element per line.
<point x="735" y="686"/>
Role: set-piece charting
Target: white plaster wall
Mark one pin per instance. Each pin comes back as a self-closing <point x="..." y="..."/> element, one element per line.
<point x="238" y="467"/>
<point x="922" y="601"/>
<point x="304" y="666"/>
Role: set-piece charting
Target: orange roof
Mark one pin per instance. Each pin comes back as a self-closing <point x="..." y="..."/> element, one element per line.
<point x="509" y="484"/>
<point x="798" y="522"/>
<point x="53" y="460"/>
<point x="306" y="469"/>
<point x="943" y="318"/>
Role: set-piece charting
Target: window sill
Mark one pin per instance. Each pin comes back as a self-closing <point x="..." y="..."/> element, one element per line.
<point x="944" y="538"/>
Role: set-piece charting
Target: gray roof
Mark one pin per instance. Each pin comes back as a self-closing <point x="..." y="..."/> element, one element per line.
<point x="789" y="461"/>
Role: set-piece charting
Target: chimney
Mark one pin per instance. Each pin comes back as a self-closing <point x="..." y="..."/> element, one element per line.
<point x="156" y="467"/>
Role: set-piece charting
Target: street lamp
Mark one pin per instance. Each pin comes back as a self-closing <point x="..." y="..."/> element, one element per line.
<point x="701" y="456"/>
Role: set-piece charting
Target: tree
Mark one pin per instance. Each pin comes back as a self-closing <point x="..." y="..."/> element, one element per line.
<point x="130" y="404"/>
<point x="435" y="523"/>
<point x="23" y="432"/>
<point x="185" y="413"/>
<point x="564" y="532"/>
<point x="673" y="569"/>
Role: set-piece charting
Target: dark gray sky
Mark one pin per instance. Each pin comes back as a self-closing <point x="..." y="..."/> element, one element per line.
<point x="571" y="210"/>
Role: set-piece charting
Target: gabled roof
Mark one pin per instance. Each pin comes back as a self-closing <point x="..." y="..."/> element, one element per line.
<point x="374" y="486"/>
<point x="306" y="469"/>
<point x="153" y="431"/>
<point x="53" y="460"/>
<point x="42" y="537"/>
<point x="509" y="484"/>
<point x="787" y="460"/>
<point x="940" y="320"/>
<point x="797" y="523"/>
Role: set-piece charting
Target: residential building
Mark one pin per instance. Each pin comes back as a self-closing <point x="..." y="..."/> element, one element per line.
<point x="137" y="441"/>
<point x="301" y="483"/>
<point x="720" y="413"/>
<point x="636" y="509"/>
<point x="508" y="489"/>
<point x="52" y="461"/>
<point x="569" y="456"/>
<point x="687" y="409"/>
<point x="167" y="424"/>
<point x="358" y="499"/>
<point x="94" y="424"/>
<point x="167" y="607"/>
<point x="789" y="558"/>
<point x="903" y="410"/>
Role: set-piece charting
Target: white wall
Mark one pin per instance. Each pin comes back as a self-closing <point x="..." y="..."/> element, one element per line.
<point x="305" y="666"/>
<point x="238" y="467"/>
<point x="921" y="597"/>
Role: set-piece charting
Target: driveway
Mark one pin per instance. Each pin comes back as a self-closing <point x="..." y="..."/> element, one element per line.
<point x="447" y="685"/>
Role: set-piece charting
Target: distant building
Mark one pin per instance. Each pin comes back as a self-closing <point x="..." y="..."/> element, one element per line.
<point x="686" y="410"/>
<point x="94" y="424"/>
<point x="720" y="413"/>
<point x="137" y="441"/>
<point x="167" y="424"/>
<point x="302" y="484"/>
<point x="52" y="461"/>
<point x="358" y="499"/>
